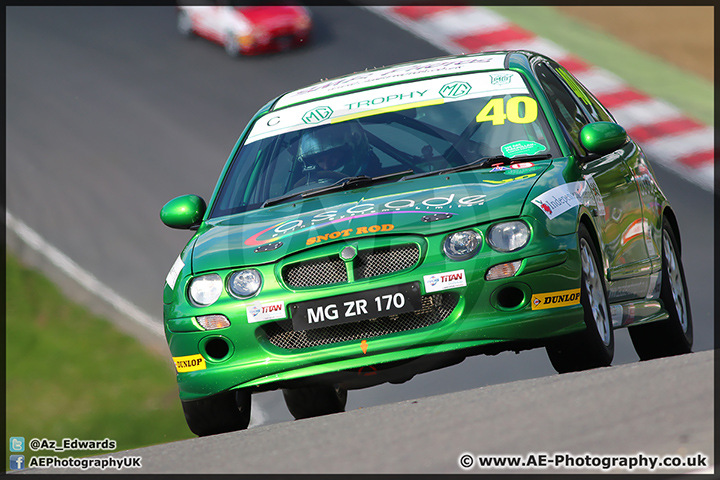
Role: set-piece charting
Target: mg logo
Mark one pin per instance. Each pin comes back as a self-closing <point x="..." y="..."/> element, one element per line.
<point x="317" y="115"/>
<point x="455" y="89"/>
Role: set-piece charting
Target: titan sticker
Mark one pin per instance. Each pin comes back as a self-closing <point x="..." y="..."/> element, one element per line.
<point x="564" y="298"/>
<point x="443" y="281"/>
<point x="259" y="312"/>
<point x="189" y="363"/>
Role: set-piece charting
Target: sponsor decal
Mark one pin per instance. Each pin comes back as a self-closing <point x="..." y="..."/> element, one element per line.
<point x="458" y="65"/>
<point x="524" y="171"/>
<point x="174" y="272"/>
<point x="392" y="98"/>
<point x="500" y="78"/>
<point x="455" y="89"/>
<point x="317" y="115"/>
<point x="189" y="363"/>
<point x="507" y="180"/>
<point x="444" y="281"/>
<point x="595" y="191"/>
<point x="350" y="231"/>
<point x="513" y="169"/>
<point x="560" y="199"/>
<point x="522" y="147"/>
<point x="394" y="204"/>
<point x="564" y="298"/>
<point x="259" y="312"/>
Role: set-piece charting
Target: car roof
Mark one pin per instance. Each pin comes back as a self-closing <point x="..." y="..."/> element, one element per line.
<point x="399" y="73"/>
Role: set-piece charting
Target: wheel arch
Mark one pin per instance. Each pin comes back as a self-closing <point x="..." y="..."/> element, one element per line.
<point x="672" y="219"/>
<point x="590" y="225"/>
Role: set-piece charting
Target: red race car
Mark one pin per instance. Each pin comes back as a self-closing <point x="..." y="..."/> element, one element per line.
<point x="247" y="30"/>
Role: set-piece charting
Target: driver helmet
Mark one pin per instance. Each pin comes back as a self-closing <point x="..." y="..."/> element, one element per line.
<point x="336" y="147"/>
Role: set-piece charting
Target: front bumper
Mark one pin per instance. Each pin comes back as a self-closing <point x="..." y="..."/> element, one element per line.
<point x="483" y="316"/>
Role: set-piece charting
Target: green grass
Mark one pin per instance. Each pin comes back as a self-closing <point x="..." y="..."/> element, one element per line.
<point x="71" y="374"/>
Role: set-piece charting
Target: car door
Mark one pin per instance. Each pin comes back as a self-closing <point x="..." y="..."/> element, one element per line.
<point x="619" y="214"/>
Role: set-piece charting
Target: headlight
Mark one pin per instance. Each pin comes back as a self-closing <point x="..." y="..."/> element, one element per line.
<point x="508" y="236"/>
<point x="462" y="245"/>
<point x="205" y="290"/>
<point x="245" y="283"/>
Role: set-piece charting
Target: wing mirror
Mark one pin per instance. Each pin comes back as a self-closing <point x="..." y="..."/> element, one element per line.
<point x="602" y="138"/>
<point x="184" y="212"/>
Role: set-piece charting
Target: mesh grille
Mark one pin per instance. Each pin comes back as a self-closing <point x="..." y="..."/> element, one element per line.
<point x="367" y="264"/>
<point x="373" y="263"/>
<point x="435" y="308"/>
<point x="324" y="271"/>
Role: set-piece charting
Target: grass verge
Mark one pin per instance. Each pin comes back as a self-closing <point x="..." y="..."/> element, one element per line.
<point x="71" y="374"/>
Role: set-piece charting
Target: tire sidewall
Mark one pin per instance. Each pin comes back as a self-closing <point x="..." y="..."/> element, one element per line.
<point x="666" y="289"/>
<point x="601" y="349"/>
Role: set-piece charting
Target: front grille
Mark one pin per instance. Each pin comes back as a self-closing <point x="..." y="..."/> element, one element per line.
<point x="373" y="263"/>
<point x="367" y="264"/>
<point x="323" y="271"/>
<point x="435" y="308"/>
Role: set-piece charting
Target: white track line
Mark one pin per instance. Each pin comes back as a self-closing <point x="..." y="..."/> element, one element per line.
<point x="83" y="277"/>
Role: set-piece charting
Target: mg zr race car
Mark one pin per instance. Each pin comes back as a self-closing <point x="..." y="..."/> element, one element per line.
<point x="391" y="222"/>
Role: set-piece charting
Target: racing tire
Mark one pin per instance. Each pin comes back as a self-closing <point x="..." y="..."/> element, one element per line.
<point x="225" y="412"/>
<point x="184" y="24"/>
<point x="307" y="402"/>
<point x="595" y="346"/>
<point x="673" y="336"/>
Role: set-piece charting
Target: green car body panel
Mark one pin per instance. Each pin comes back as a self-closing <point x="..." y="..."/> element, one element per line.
<point x="622" y="206"/>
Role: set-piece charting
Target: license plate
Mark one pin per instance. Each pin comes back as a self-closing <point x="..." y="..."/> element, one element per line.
<point x="353" y="307"/>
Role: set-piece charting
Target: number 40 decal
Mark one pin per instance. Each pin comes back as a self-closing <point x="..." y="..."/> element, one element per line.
<point x="511" y="112"/>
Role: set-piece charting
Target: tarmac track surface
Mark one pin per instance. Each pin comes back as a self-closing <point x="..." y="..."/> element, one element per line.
<point x="110" y="114"/>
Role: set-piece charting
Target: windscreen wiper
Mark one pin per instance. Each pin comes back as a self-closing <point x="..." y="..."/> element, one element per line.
<point x="479" y="163"/>
<point x="342" y="184"/>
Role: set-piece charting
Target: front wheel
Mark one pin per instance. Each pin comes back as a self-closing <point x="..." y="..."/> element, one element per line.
<point x="225" y="412"/>
<point x="307" y="402"/>
<point x="595" y="346"/>
<point x="673" y="336"/>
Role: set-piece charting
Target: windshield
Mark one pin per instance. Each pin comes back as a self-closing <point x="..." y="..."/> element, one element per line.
<point x="421" y="126"/>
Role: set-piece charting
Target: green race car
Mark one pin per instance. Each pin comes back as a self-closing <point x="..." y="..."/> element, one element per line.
<point x="391" y="222"/>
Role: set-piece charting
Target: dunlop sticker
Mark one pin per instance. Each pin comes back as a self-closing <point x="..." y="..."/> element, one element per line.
<point x="189" y="363"/>
<point x="563" y="298"/>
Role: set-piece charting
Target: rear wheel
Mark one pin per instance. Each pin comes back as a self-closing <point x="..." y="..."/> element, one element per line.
<point x="225" y="412"/>
<point x="673" y="336"/>
<point x="307" y="402"/>
<point x="595" y="346"/>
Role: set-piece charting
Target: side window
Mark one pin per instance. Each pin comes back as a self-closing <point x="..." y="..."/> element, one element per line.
<point x="592" y="105"/>
<point x="568" y="112"/>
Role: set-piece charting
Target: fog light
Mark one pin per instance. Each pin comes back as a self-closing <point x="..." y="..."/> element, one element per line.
<point x="504" y="270"/>
<point x="213" y="322"/>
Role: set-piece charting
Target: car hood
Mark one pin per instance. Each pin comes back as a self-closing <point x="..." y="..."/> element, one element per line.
<point x="422" y="206"/>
